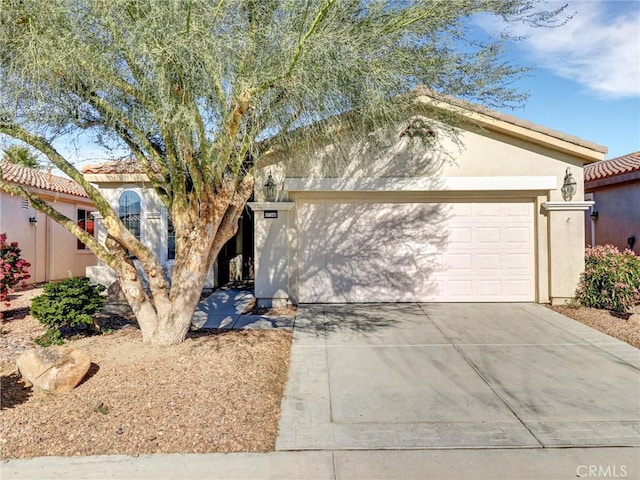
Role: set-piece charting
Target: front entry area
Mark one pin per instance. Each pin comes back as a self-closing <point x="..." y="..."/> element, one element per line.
<point x="455" y="375"/>
<point x="406" y="251"/>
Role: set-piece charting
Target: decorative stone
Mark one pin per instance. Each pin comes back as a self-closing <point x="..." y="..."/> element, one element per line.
<point x="53" y="369"/>
<point x="634" y="319"/>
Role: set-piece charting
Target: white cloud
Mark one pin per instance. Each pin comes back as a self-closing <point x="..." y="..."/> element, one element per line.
<point x="599" y="47"/>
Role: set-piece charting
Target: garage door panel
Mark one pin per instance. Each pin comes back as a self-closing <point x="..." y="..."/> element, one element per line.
<point x="377" y="252"/>
<point x="519" y="235"/>
<point x="489" y="235"/>
<point x="514" y="262"/>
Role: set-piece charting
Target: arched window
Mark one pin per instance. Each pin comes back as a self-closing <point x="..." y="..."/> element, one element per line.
<point x="129" y="211"/>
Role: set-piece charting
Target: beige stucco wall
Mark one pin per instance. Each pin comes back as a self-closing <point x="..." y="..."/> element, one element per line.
<point x="618" y="208"/>
<point x="486" y="161"/>
<point x="51" y="250"/>
<point x="153" y="229"/>
<point x="274" y="279"/>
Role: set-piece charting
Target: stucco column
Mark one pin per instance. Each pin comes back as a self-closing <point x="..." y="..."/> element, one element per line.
<point x="272" y="265"/>
<point x="566" y="248"/>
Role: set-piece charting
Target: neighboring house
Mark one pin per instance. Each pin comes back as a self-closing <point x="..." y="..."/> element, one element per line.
<point x="402" y="223"/>
<point x="131" y="195"/>
<point x="614" y="186"/>
<point x="52" y="251"/>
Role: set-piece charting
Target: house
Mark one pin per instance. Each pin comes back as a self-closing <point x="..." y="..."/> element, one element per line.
<point x="53" y="252"/>
<point x="492" y="215"/>
<point x="493" y="221"/>
<point x="614" y="186"/>
<point x="130" y="193"/>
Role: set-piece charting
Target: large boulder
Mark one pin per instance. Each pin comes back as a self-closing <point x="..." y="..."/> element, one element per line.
<point x="53" y="369"/>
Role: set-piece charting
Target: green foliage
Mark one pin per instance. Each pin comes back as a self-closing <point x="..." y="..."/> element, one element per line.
<point x="68" y="305"/>
<point x="51" y="337"/>
<point x="21" y="156"/>
<point x="611" y="279"/>
<point x="198" y="86"/>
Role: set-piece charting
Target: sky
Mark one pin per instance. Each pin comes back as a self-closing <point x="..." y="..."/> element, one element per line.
<point x="586" y="76"/>
<point x="585" y="79"/>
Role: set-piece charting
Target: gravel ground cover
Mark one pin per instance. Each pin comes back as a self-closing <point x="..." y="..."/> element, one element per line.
<point x="623" y="326"/>
<point x="219" y="391"/>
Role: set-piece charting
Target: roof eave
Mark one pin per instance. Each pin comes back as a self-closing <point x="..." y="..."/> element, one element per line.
<point x="586" y="151"/>
<point x="612" y="180"/>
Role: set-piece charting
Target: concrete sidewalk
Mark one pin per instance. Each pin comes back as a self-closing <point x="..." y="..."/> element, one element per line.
<point x="224" y="309"/>
<point x="495" y="464"/>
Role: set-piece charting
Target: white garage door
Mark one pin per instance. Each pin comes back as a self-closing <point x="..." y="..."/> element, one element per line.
<point x="415" y="252"/>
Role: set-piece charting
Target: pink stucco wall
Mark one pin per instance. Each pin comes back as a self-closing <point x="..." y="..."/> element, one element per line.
<point x="618" y="208"/>
<point x="51" y="250"/>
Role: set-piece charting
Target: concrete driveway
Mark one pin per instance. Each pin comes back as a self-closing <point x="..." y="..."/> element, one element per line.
<point x="413" y="376"/>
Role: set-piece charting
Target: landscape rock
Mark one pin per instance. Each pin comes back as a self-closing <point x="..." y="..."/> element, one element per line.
<point x="634" y="319"/>
<point x="53" y="369"/>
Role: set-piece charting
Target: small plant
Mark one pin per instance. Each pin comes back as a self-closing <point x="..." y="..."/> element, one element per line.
<point x="611" y="279"/>
<point x="13" y="269"/>
<point x="67" y="307"/>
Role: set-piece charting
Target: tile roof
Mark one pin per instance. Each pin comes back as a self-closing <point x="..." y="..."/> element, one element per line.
<point x="611" y="168"/>
<point x="31" y="177"/>
<point x="124" y="166"/>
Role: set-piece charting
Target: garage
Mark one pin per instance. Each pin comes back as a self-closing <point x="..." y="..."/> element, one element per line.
<point x="407" y="251"/>
<point x="490" y="214"/>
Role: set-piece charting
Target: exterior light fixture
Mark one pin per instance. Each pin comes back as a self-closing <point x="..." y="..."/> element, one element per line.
<point x="33" y="221"/>
<point x="270" y="189"/>
<point x="569" y="186"/>
<point x="594" y="215"/>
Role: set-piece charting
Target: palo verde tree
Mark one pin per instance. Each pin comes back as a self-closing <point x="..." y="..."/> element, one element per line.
<point x="199" y="90"/>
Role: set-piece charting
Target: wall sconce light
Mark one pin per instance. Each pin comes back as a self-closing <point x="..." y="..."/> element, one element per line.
<point x="594" y="215"/>
<point x="569" y="186"/>
<point x="631" y="241"/>
<point x="270" y="189"/>
<point x="33" y="221"/>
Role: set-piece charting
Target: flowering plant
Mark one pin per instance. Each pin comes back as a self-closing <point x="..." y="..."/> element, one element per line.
<point x="611" y="279"/>
<point x="13" y="269"/>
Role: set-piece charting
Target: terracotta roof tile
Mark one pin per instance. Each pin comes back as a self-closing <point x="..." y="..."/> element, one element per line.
<point x="126" y="165"/>
<point x="30" y="177"/>
<point x="610" y="168"/>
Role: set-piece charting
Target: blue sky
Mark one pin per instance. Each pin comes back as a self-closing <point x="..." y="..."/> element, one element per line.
<point x="586" y="80"/>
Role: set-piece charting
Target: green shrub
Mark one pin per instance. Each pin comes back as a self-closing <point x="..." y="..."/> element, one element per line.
<point x="611" y="279"/>
<point x="67" y="307"/>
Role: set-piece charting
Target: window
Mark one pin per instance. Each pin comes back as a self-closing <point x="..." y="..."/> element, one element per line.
<point x="129" y="212"/>
<point x="171" y="240"/>
<point x="85" y="222"/>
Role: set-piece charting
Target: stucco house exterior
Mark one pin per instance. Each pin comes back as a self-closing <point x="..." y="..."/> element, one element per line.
<point x="53" y="252"/>
<point x="132" y="196"/>
<point x="403" y="223"/>
<point x="398" y="221"/>
<point x="614" y="187"/>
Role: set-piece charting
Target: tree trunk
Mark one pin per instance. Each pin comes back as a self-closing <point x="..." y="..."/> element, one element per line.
<point x="166" y="319"/>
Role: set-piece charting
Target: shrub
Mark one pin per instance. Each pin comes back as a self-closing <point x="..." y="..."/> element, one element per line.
<point x="13" y="269"/>
<point x="70" y="305"/>
<point x="611" y="279"/>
